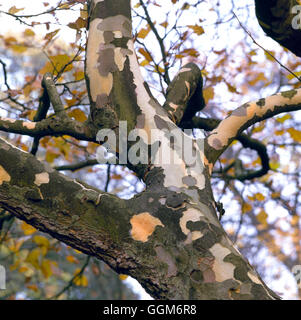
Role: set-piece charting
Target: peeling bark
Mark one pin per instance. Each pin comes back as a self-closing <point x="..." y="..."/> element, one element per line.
<point x="171" y="242"/>
<point x="168" y="237"/>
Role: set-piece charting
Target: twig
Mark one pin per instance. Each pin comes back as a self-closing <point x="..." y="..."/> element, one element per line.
<point x="71" y="282"/>
<point x="160" y="41"/>
<point x="77" y="166"/>
<point x="266" y="51"/>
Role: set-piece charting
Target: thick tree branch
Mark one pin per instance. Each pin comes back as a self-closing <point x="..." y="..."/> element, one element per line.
<point x="141" y="237"/>
<point x="87" y="219"/>
<point x="246" y="141"/>
<point x="249" y="114"/>
<point x="50" y="127"/>
<point x="109" y="74"/>
<point x="185" y="94"/>
<point x="53" y="95"/>
<point x="276" y="17"/>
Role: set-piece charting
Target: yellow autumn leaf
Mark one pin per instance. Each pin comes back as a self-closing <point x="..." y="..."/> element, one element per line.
<point x="291" y="76"/>
<point x="143" y="33"/>
<point x="64" y="6"/>
<point x="295" y="134"/>
<point x="259" y="77"/>
<point x="23" y="269"/>
<point x="18" y="48"/>
<point x="33" y="257"/>
<point x="196" y="29"/>
<point x="78" y="115"/>
<point x="84" y="12"/>
<point x="46" y="268"/>
<point x="190" y="52"/>
<point x="274" y="165"/>
<point x="51" y="156"/>
<point x="259" y="196"/>
<point x="28" y="33"/>
<point x="231" y="88"/>
<point x="159" y="69"/>
<point x="144" y="63"/>
<point x="78" y="24"/>
<point x="79" y="75"/>
<point x="295" y="220"/>
<point x="41" y="241"/>
<point x="80" y="280"/>
<point x="27" y="229"/>
<point x="164" y="24"/>
<point x="15" y="245"/>
<point x="56" y="64"/>
<point x="258" y="128"/>
<point x="262" y="217"/>
<point x="246" y="207"/>
<point x="146" y="55"/>
<point x="123" y="277"/>
<point x="33" y="287"/>
<point x="71" y="259"/>
<point x="208" y="94"/>
<point x="14" y="10"/>
<point x="27" y="90"/>
<point x="269" y="56"/>
<point x="256" y="162"/>
<point x="179" y="56"/>
<point x="284" y="118"/>
<point x="51" y="34"/>
<point x="279" y="132"/>
<point x="31" y="114"/>
<point x="275" y="195"/>
<point x="71" y="102"/>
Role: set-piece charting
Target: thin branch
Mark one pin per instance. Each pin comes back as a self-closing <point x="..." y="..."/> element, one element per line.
<point x="160" y="41"/>
<point x="77" y="166"/>
<point x="108" y="177"/>
<point x="73" y="279"/>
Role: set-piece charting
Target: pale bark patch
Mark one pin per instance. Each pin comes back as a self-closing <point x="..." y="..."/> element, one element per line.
<point x="223" y="270"/>
<point x="41" y="178"/>
<point x="193" y="215"/>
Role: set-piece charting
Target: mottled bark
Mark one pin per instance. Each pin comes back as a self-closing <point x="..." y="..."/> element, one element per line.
<point x="276" y="18"/>
<point x="185" y="94"/>
<point x="174" y="246"/>
<point x="249" y="114"/>
<point x="168" y="237"/>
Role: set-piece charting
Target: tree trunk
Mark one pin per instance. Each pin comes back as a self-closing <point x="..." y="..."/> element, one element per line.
<point x="169" y="236"/>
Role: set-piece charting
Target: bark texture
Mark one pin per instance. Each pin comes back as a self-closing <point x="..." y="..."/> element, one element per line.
<point x="277" y="18"/>
<point x="169" y="236"/>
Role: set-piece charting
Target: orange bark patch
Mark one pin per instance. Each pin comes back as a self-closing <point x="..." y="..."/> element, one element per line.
<point x="143" y="225"/>
<point x="29" y="125"/>
<point x="4" y="176"/>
